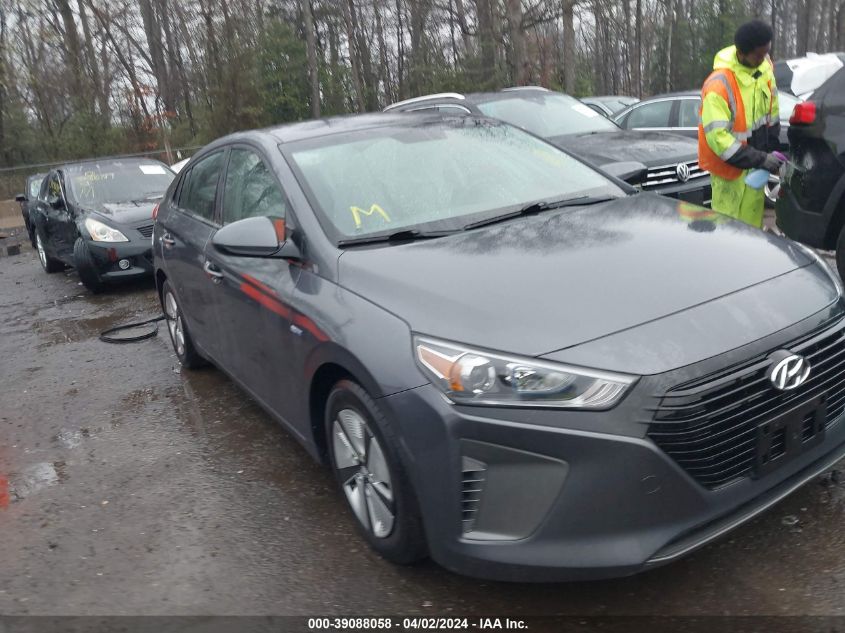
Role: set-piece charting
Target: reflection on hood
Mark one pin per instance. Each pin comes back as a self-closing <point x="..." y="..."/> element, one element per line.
<point x="650" y="148"/>
<point x="123" y="212"/>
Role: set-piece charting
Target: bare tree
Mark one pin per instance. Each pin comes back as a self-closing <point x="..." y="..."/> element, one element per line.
<point x="311" y="45"/>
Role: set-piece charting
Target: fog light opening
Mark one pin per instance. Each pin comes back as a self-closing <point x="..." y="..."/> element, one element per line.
<point x="124" y="264"/>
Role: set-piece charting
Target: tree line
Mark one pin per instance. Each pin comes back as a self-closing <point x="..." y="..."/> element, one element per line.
<point x="82" y="78"/>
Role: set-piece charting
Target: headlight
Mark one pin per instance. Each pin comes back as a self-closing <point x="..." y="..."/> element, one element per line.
<point x="834" y="276"/>
<point x="103" y="233"/>
<point x="469" y="376"/>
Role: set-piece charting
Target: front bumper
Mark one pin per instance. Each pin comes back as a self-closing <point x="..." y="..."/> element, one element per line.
<point x="106" y="256"/>
<point x="560" y="502"/>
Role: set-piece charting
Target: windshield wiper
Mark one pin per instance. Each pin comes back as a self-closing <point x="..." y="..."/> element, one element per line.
<point x="405" y="235"/>
<point x="537" y="207"/>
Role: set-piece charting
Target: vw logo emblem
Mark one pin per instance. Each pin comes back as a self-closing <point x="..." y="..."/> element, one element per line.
<point x="789" y="372"/>
<point x="682" y="171"/>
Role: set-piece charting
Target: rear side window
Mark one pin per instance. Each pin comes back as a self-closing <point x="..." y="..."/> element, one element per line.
<point x="650" y="115"/>
<point x="34" y="188"/>
<point x="200" y="186"/>
<point x="688" y="112"/>
<point x="251" y="189"/>
<point x="51" y="191"/>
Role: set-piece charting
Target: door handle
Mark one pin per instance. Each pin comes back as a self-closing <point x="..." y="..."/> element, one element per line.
<point x="167" y="240"/>
<point x="212" y="271"/>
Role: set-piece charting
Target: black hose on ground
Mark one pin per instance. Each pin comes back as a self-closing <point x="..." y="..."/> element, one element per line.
<point x="105" y="338"/>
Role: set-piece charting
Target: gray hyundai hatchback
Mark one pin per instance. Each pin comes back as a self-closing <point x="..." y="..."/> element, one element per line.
<point x="512" y="362"/>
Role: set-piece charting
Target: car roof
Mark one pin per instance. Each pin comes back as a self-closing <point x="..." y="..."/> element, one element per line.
<point x="474" y="98"/>
<point x="131" y="160"/>
<point x="507" y="93"/>
<point x="327" y="126"/>
<point x="608" y="98"/>
<point x="678" y="93"/>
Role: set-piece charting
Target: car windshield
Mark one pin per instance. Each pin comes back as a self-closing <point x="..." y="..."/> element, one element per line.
<point x="436" y="175"/>
<point x="548" y="114"/>
<point x="118" y="181"/>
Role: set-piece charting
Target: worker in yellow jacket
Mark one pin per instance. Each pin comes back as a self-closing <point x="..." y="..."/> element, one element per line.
<point x="738" y="122"/>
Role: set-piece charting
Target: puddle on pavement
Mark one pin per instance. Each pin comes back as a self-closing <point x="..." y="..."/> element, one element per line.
<point x="74" y="329"/>
<point x="72" y="438"/>
<point x="35" y="478"/>
<point x="81" y="316"/>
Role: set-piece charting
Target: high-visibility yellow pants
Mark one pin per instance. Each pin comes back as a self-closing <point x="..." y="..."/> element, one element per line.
<point x="738" y="200"/>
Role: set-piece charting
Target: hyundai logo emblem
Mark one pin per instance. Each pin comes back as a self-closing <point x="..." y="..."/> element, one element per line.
<point x="682" y="170"/>
<point x="790" y="372"/>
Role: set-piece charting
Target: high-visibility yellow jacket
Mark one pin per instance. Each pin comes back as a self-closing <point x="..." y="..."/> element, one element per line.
<point x="738" y="124"/>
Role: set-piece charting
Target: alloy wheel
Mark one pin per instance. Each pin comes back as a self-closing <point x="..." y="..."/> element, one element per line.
<point x="174" y="323"/>
<point x="771" y="190"/>
<point x="363" y="472"/>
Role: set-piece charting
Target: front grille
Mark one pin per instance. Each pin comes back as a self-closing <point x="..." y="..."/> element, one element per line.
<point x="147" y="230"/>
<point x="668" y="174"/>
<point x="472" y="486"/>
<point x="709" y="425"/>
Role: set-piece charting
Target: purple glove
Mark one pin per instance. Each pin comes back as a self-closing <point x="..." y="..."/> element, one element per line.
<point x="773" y="162"/>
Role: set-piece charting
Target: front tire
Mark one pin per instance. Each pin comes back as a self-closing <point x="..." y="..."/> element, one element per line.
<point x="182" y="342"/>
<point x="86" y="268"/>
<point x="364" y="456"/>
<point x="49" y="264"/>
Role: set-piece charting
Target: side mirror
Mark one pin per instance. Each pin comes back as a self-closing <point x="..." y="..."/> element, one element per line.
<point x="20" y="198"/>
<point x="253" y="237"/>
<point x="630" y="171"/>
<point x="58" y="204"/>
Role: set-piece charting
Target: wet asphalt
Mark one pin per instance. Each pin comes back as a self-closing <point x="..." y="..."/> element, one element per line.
<point x="129" y="486"/>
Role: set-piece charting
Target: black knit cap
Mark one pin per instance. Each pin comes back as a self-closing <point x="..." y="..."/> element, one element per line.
<point x="751" y="35"/>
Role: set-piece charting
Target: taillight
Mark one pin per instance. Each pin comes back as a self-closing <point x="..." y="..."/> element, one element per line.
<point x="804" y="112"/>
<point x="155" y="211"/>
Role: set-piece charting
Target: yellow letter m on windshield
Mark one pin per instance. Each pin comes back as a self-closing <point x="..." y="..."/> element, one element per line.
<point x="357" y="212"/>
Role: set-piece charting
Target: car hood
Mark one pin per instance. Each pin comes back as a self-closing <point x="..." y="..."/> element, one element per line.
<point x="653" y="149"/>
<point x="539" y="284"/>
<point x="124" y="212"/>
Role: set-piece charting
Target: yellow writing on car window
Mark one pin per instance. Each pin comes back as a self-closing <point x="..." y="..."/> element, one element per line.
<point x="555" y="159"/>
<point x="357" y="212"/>
<point x="94" y="176"/>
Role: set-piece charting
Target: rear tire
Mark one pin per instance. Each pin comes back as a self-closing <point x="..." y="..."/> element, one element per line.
<point x="86" y="268"/>
<point x="183" y="345"/>
<point x="49" y="264"/>
<point x="364" y="456"/>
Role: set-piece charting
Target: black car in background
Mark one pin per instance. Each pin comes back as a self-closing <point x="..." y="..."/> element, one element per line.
<point x="654" y="161"/>
<point x="511" y="362"/>
<point x="811" y="204"/>
<point x="97" y="216"/>
<point x="27" y="199"/>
